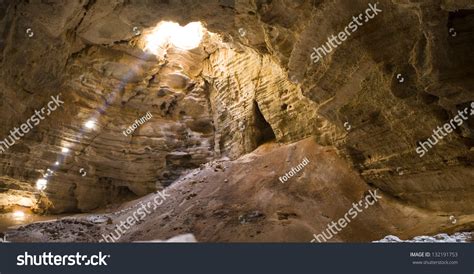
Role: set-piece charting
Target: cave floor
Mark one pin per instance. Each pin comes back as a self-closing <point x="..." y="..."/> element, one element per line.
<point x="244" y="201"/>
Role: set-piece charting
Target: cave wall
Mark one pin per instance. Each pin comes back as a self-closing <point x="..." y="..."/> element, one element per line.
<point x="204" y="103"/>
<point x="356" y="88"/>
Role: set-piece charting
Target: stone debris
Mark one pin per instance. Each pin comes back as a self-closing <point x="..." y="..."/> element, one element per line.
<point x="459" y="237"/>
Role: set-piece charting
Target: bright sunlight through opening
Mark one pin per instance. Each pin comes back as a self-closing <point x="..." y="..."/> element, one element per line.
<point x="165" y="33"/>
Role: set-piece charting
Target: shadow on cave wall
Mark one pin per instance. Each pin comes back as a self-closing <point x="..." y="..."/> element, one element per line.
<point x="263" y="131"/>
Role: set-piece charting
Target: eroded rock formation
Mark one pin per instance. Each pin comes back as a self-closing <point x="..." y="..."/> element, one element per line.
<point x="250" y="81"/>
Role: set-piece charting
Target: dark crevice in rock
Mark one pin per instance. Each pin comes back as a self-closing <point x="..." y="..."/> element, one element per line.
<point x="264" y="132"/>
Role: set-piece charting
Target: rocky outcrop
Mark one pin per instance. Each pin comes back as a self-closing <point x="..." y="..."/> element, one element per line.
<point x="463" y="237"/>
<point x="380" y="119"/>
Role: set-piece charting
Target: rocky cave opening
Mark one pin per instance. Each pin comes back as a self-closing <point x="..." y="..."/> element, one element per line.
<point x="264" y="131"/>
<point x="226" y="128"/>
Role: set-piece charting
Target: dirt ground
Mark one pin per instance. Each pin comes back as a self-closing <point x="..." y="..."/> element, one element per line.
<point x="244" y="201"/>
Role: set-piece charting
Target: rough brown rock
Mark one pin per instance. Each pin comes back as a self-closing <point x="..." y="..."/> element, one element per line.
<point x="249" y="82"/>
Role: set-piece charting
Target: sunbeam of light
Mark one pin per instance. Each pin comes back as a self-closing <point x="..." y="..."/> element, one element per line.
<point x="166" y="33"/>
<point x="184" y="38"/>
